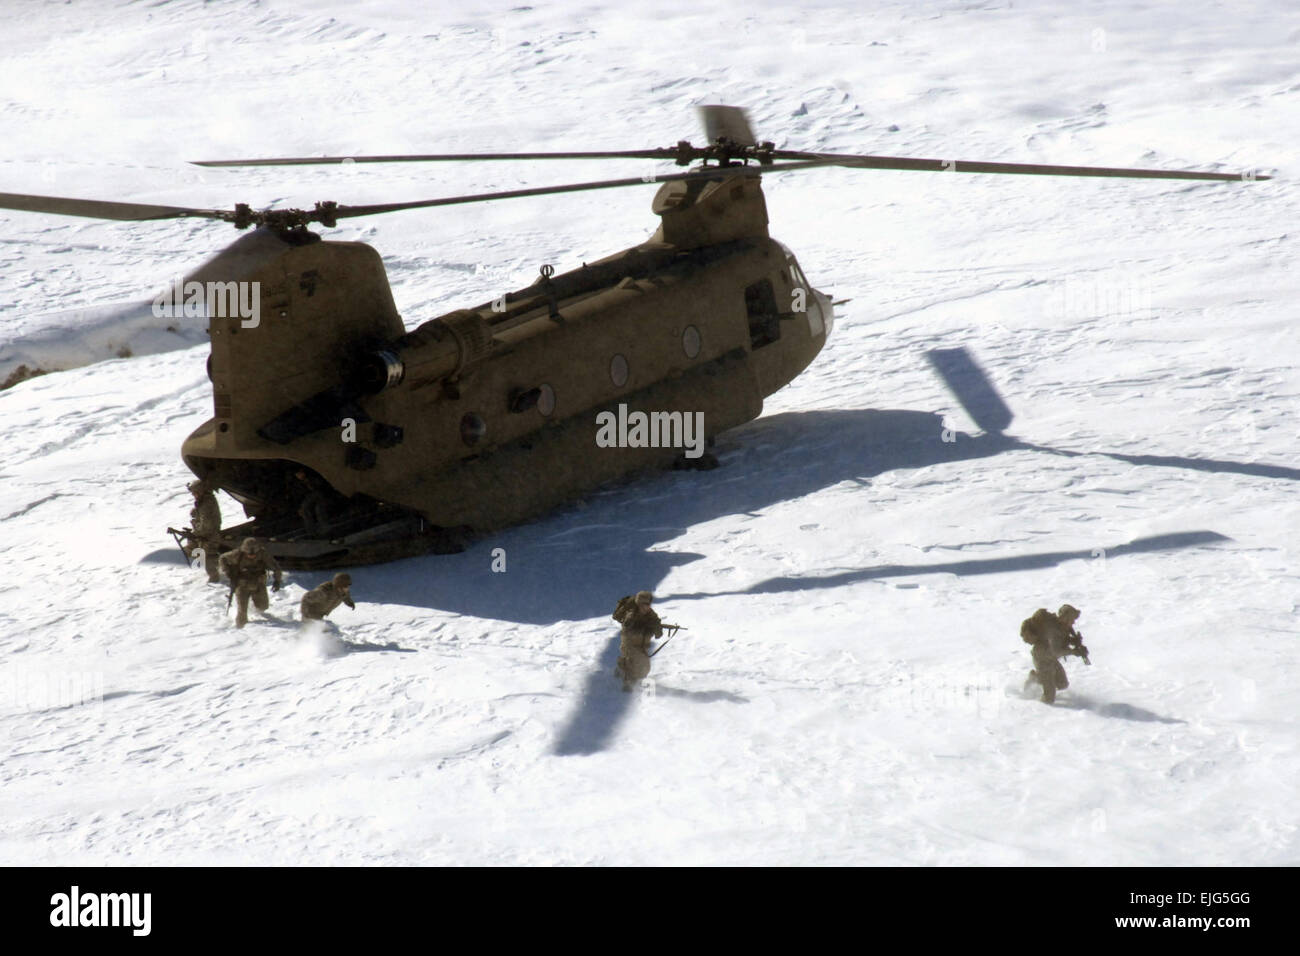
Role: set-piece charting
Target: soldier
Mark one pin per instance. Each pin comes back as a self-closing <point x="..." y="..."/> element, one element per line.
<point x="320" y="600"/>
<point x="246" y="567"/>
<point x="640" y="626"/>
<point x="314" y="506"/>
<point x="1052" y="636"/>
<point x="205" y="522"/>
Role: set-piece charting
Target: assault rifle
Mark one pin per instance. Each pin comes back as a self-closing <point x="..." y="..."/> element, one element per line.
<point x="177" y="536"/>
<point x="1074" y="645"/>
<point x="674" y="628"/>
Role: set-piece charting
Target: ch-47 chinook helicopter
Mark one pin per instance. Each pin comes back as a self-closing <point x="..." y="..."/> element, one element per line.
<point x="410" y="441"/>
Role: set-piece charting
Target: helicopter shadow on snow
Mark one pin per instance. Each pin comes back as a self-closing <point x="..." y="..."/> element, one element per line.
<point x="575" y="564"/>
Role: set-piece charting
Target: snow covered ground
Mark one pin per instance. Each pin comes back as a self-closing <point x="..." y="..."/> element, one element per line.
<point x="849" y="690"/>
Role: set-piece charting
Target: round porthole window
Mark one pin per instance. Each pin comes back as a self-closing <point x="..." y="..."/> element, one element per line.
<point x="546" y="400"/>
<point x="618" y="371"/>
<point x="472" y="428"/>
<point x="691" y="341"/>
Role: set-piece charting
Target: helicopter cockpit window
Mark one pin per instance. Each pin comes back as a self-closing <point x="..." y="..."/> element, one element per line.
<point x="764" y="317"/>
<point x="799" y="279"/>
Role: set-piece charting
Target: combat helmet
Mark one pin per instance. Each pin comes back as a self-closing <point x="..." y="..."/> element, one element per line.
<point x="343" y="580"/>
<point x="1068" y="613"/>
<point x="644" y="597"/>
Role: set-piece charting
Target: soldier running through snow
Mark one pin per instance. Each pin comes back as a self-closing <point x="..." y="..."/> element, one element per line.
<point x="1051" y="637"/>
<point x="246" y="567"/>
<point x="641" y="625"/>
<point x="320" y="600"/>
<point x="205" y="522"/>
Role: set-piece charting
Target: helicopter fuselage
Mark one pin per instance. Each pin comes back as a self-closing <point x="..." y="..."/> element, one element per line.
<point x="486" y="417"/>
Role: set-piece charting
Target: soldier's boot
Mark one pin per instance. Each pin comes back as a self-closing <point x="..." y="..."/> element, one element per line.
<point x="1031" y="679"/>
<point x="1049" y="694"/>
<point x="241" y="615"/>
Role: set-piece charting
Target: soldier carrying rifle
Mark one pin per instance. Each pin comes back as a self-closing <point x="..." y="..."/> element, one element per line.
<point x="1051" y="637"/>
<point x="246" y="567"/>
<point x="641" y="625"/>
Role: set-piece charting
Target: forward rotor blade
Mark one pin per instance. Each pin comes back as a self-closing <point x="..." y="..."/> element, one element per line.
<point x="1026" y="169"/>
<point x="438" y="157"/>
<point x="99" y="209"/>
<point x="716" y="172"/>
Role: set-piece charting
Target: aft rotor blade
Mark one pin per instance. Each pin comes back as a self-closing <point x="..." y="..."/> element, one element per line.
<point x="716" y="172"/>
<point x="726" y="122"/>
<point x="100" y="209"/>
<point x="1024" y="169"/>
<point x="439" y="157"/>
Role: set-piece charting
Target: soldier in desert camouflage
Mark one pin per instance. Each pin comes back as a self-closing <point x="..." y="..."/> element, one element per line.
<point x="1051" y="637"/>
<point x="246" y="567"/>
<point x="641" y="625"/>
<point x="320" y="600"/>
<point x="205" y="522"/>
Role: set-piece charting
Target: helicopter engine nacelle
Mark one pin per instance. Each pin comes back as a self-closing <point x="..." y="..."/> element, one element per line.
<point x="438" y="350"/>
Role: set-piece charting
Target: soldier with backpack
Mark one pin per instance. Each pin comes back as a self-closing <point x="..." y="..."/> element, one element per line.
<point x="1051" y="637"/>
<point x="323" y="598"/>
<point x="641" y="625"/>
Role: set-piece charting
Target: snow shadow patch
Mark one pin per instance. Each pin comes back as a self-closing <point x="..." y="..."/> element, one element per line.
<point x="602" y="707"/>
<point x="171" y="555"/>
<point x="1119" y="711"/>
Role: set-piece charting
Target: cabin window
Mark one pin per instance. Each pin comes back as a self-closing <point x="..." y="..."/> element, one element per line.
<point x="764" y="318"/>
<point x="691" y="341"/>
<point x="546" y="401"/>
<point x="618" y="371"/>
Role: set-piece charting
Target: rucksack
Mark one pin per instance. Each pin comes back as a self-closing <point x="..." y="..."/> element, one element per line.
<point x="1032" y="628"/>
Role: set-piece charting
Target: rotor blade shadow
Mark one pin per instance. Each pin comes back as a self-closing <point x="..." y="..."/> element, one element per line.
<point x="1252" y="469"/>
<point x="1023" y="562"/>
